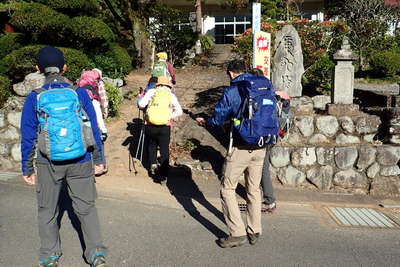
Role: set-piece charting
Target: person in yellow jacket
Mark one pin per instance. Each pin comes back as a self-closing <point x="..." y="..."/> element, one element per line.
<point x="162" y="107"/>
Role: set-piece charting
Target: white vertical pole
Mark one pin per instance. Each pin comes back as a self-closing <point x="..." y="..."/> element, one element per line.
<point x="256" y="12"/>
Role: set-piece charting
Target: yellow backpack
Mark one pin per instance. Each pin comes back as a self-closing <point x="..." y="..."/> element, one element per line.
<point x="159" y="110"/>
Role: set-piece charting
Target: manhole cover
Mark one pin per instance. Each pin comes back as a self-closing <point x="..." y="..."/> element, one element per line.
<point x="5" y="176"/>
<point x="361" y="217"/>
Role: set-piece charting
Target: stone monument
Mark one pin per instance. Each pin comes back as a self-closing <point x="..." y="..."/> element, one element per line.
<point x="288" y="62"/>
<point x="343" y="86"/>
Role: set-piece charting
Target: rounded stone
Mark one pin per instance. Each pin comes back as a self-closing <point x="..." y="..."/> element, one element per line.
<point x="321" y="177"/>
<point x="291" y="176"/>
<point x="305" y="124"/>
<point x="320" y="101"/>
<point x="14" y="118"/>
<point x="388" y="155"/>
<point x="295" y="139"/>
<point x="347" y="139"/>
<point x="366" y="156"/>
<point x="10" y="133"/>
<point x="6" y="164"/>
<point x="31" y="82"/>
<point x="16" y="152"/>
<point x="2" y="120"/>
<point x="318" y="139"/>
<point x="325" y="155"/>
<point x="328" y="125"/>
<point x="345" y="157"/>
<point x="347" y="124"/>
<point x="304" y="156"/>
<point x="373" y="170"/>
<point x="4" y="149"/>
<point x="279" y="156"/>
<point x="350" y="179"/>
<point x="390" y="171"/>
<point x="369" y="138"/>
<point x="368" y="124"/>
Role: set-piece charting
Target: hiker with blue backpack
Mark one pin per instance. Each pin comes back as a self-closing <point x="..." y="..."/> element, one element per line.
<point x="250" y="104"/>
<point x="68" y="150"/>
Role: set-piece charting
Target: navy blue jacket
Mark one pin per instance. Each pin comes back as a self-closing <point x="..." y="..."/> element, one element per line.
<point x="231" y="100"/>
<point x="30" y="125"/>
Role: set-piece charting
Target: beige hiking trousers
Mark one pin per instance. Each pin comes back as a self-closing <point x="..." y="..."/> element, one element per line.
<point x="249" y="162"/>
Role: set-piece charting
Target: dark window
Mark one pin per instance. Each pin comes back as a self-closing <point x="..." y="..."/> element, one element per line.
<point x="229" y="18"/>
<point x="239" y="28"/>
<point x="219" y="19"/>
<point x="229" y="29"/>
<point x="219" y="30"/>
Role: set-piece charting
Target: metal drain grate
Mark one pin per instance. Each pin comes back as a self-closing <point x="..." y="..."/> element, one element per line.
<point x="361" y="217"/>
<point x="5" y="176"/>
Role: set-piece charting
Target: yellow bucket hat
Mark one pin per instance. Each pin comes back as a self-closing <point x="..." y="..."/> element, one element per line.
<point x="162" y="55"/>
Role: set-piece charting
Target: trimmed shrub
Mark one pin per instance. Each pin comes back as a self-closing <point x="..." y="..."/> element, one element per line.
<point x="5" y="89"/>
<point x="114" y="63"/>
<point x="72" y="6"/>
<point x="76" y="61"/>
<point x="115" y="98"/>
<point x="386" y="63"/>
<point x="121" y="57"/>
<point x="20" y="62"/>
<point x="90" y="32"/>
<point x="9" y="42"/>
<point x="41" y="21"/>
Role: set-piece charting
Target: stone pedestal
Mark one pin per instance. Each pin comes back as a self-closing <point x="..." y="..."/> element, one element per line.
<point x="343" y="109"/>
<point x="343" y="83"/>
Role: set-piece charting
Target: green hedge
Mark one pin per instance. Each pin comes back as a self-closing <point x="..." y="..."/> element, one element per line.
<point x="22" y="62"/>
<point x="91" y="32"/>
<point x="115" y="62"/>
<point x="386" y="63"/>
<point x="9" y="42"/>
<point x="41" y="20"/>
<point x="76" y="61"/>
<point x="71" y="5"/>
<point x="5" y="89"/>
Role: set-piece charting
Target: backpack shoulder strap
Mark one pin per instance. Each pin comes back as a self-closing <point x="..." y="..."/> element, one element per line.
<point x="39" y="90"/>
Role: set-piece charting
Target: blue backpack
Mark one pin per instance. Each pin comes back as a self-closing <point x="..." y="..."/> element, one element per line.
<point x="257" y="122"/>
<point x="63" y="133"/>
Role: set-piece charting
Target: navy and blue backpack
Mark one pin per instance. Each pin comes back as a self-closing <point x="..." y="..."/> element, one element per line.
<point x="63" y="132"/>
<point x="257" y="122"/>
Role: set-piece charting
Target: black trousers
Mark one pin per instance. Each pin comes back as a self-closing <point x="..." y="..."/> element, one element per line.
<point x="159" y="136"/>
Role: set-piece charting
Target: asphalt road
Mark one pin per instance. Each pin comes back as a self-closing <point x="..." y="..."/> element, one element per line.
<point x="148" y="234"/>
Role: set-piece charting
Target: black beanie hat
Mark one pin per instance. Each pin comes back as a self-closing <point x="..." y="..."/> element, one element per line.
<point x="50" y="57"/>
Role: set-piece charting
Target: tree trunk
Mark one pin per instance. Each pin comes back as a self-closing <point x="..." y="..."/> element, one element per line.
<point x="199" y="23"/>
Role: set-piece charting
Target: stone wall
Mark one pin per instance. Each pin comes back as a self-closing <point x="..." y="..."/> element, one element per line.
<point x="10" y="148"/>
<point x="340" y="153"/>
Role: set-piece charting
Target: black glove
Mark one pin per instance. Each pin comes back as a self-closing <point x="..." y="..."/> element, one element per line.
<point x="104" y="137"/>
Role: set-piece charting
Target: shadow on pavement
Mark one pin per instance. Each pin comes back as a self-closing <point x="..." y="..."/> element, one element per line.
<point x="136" y="130"/>
<point x="184" y="189"/>
<point x="65" y="205"/>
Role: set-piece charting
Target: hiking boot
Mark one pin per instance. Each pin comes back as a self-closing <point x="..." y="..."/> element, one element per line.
<point x="268" y="208"/>
<point x="51" y="261"/>
<point x="99" y="260"/>
<point x="253" y="238"/>
<point x="232" y="241"/>
<point x="153" y="169"/>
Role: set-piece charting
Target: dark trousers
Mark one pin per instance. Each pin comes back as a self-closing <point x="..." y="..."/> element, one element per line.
<point x="79" y="179"/>
<point x="159" y="136"/>
<point x="266" y="182"/>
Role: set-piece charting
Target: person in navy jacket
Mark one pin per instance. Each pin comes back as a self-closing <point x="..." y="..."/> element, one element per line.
<point x="49" y="176"/>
